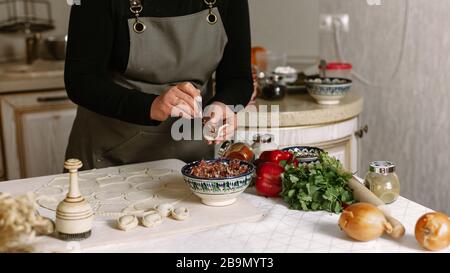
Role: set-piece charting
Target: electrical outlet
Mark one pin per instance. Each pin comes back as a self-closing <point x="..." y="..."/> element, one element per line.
<point x="342" y="22"/>
<point x="329" y="22"/>
<point x="326" y="23"/>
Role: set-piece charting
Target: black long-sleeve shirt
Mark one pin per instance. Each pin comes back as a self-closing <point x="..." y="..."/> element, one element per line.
<point x="99" y="43"/>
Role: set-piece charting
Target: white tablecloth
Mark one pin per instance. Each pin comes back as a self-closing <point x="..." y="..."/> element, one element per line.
<point x="283" y="230"/>
<point x="280" y="230"/>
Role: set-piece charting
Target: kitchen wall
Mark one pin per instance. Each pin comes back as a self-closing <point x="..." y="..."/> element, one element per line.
<point x="271" y="22"/>
<point x="408" y="116"/>
<point x="289" y="26"/>
<point x="12" y="47"/>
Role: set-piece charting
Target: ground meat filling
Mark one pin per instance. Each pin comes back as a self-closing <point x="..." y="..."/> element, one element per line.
<point x="218" y="169"/>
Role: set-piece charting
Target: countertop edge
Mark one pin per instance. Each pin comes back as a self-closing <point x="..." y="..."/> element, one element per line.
<point x="320" y="116"/>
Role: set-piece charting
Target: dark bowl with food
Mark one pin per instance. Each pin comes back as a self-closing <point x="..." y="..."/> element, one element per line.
<point x="305" y="154"/>
<point x="218" y="182"/>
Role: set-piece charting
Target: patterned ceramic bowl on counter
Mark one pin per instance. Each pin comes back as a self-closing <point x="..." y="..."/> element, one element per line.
<point x="305" y="154"/>
<point x="218" y="191"/>
<point x="328" y="91"/>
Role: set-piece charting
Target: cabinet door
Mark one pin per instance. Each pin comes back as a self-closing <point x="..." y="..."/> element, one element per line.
<point x="36" y="128"/>
<point x="44" y="141"/>
<point x="342" y="150"/>
<point x="2" y="166"/>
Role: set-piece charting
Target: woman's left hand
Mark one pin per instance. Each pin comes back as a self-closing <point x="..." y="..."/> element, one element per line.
<point x="218" y="115"/>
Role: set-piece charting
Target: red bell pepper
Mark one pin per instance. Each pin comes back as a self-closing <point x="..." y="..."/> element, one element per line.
<point x="276" y="156"/>
<point x="264" y="156"/>
<point x="268" y="182"/>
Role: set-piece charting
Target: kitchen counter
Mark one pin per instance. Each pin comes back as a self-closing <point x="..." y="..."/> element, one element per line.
<point x="298" y="109"/>
<point x="41" y="75"/>
<point x="301" y="109"/>
<point x="280" y="230"/>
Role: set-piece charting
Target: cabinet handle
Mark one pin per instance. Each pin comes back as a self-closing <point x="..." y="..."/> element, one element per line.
<point x="360" y="133"/>
<point x="51" y="99"/>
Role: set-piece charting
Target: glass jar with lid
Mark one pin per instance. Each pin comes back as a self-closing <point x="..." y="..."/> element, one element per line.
<point x="273" y="89"/>
<point x="383" y="181"/>
<point x="339" y="70"/>
<point x="236" y="150"/>
<point x="262" y="143"/>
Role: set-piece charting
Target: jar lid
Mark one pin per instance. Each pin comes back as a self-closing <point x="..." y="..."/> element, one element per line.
<point x="257" y="138"/>
<point x="339" y="66"/>
<point x="267" y="138"/>
<point x="275" y="78"/>
<point x="224" y="148"/>
<point x="382" y="167"/>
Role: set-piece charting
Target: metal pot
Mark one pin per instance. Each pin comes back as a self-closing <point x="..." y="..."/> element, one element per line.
<point x="56" y="46"/>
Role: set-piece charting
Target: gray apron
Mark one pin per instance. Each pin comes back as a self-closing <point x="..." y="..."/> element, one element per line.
<point x="171" y="50"/>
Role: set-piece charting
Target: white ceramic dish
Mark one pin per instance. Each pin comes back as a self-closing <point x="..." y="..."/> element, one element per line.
<point x="288" y="74"/>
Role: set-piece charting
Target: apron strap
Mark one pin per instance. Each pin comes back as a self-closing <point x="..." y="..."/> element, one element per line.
<point x="212" y="17"/>
<point x="135" y="4"/>
<point x="136" y="8"/>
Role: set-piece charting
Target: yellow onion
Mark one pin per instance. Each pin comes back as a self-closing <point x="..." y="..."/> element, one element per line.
<point x="364" y="222"/>
<point x="433" y="231"/>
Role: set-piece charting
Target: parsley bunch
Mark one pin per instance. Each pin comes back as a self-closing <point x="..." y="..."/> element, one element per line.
<point x="317" y="186"/>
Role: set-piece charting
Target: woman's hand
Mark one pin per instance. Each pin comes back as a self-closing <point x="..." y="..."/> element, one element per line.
<point x="182" y="100"/>
<point x="218" y="115"/>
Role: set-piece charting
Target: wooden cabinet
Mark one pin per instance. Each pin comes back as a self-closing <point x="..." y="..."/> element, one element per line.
<point x="35" y="130"/>
<point x="2" y="164"/>
<point x="338" y="139"/>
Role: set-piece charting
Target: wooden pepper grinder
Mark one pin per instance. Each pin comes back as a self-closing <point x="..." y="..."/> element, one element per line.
<point x="74" y="215"/>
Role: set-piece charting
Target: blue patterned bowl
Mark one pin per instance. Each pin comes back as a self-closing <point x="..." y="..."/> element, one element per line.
<point x="328" y="91"/>
<point x="218" y="191"/>
<point x="305" y="154"/>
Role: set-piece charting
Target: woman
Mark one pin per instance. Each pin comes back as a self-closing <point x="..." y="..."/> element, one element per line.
<point x="132" y="65"/>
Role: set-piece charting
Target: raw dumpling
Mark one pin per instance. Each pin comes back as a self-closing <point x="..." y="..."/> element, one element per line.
<point x="152" y="219"/>
<point x="127" y="222"/>
<point x="180" y="214"/>
<point x="164" y="209"/>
